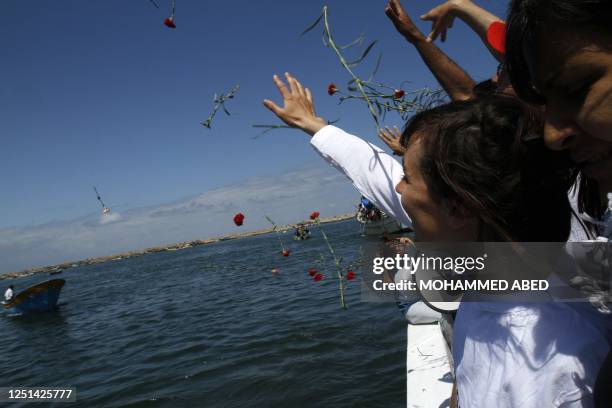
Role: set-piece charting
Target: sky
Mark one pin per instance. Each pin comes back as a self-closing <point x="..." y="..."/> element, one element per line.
<point x="102" y="93"/>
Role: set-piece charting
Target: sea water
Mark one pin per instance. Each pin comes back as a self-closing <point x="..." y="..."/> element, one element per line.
<point x="212" y="326"/>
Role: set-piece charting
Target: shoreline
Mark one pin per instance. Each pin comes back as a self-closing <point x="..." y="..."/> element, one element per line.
<point x="164" y="248"/>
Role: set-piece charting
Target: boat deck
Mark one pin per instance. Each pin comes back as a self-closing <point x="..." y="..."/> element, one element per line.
<point x="429" y="380"/>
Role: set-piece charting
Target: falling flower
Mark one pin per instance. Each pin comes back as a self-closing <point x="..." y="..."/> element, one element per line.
<point x="239" y="219"/>
<point x="350" y="275"/>
<point x="399" y="94"/>
<point x="169" y="22"/>
<point x="312" y="271"/>
<point x="318" y="277"/>
<point x="331" y="89"/>
<point x="286" y="252"/>
<point x="314" y="215"/>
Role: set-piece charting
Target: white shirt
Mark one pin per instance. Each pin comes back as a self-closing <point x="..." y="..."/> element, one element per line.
<point x="525" y="355"/>
<point x="373" y="172"/>
<point x="8" y="295"/>
<point x="579" y="231"/>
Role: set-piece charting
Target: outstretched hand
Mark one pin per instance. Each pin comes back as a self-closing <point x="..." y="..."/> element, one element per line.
<point x="441" y="18"/>
<point x="391" y="137"/>
<point x="298" y="110"/>
<point x="402" y="22"/>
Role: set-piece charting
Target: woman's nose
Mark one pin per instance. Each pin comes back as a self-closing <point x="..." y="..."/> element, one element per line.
<point x="559" y="129"/>
<point x="559" y="137"/>
<point x="399" y="187"/>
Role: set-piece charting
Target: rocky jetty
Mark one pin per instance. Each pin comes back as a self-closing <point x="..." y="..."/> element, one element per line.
<point x="172" y="247"/>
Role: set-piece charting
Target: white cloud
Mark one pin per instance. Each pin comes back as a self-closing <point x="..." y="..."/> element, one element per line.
<point x="286" y="198"/>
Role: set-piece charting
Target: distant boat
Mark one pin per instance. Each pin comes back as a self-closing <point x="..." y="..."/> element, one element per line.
<point x="38" y="298"/>
<point x="301" y="233"/>
<point x="56" y="272"/>
<point x="301" y="237"/>
<point x="374" y="221"/>
<point x="379" y="227"/>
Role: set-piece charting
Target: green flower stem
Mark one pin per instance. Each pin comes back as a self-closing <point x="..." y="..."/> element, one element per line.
<point x="358" y="81"/>
<point x="220" y="103"/>
<point x="336" y="262"/>
<point x="275" y="229"/>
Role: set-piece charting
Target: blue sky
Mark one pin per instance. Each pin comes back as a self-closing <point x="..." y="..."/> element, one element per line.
<point x="102" y="93"/>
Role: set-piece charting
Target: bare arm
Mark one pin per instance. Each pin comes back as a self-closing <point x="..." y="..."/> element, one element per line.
<point x="455" y="81"/>
<point x="476" y="17"/>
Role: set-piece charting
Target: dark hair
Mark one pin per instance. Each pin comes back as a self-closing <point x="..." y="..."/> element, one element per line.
<point x="525" y="19"/>
<point x="484" y="88"/>
<point x="487" y="155"/>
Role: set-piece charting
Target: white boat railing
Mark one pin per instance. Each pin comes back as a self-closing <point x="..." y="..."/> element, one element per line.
<point x="429" y="382"/>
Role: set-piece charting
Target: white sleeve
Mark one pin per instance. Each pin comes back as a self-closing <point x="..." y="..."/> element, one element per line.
<point x="373" y="172"/>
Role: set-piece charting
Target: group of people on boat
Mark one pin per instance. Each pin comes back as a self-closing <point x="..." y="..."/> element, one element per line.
<point x="301" y="232"/>
<point x="368" y="212"/>
<point x="525" y="156"/>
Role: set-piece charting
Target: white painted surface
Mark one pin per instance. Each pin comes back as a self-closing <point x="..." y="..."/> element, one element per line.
<point x="429" y="382"/>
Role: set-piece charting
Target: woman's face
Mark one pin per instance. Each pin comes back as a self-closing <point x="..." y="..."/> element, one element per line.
<point x="430" y="220"/>
<point x="572" y="69"/>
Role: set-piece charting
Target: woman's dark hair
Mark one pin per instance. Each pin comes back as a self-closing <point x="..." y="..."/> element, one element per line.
<point x="487" y="155"/>
<point x="527" y="18"/>
<point x="484" y="88"/>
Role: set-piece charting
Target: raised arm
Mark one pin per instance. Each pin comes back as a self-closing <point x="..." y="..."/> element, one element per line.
<point x="455" y="81"/>
<point x="476" y="17"/>
<point x="373" y="172"/>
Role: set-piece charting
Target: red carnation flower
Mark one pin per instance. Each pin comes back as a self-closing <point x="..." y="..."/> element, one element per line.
<point x="286" y="252"/>
<point x="314" y="215"/>
<point x="331" y="89"/>
<point x="239" y="219"/>
<point x="318" y="277"/>
<point x="496" y="36"/>
<point x="169" y="22"/>
<point x="312" y="271"/>
<point x="399" y="94"/>
<point x="350" y="275"/>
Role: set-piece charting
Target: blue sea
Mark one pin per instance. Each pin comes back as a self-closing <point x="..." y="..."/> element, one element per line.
<point x="212" y="326"/>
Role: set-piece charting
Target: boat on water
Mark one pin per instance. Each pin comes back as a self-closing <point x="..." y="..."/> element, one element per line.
<point x="301" y="237"/>
<point x="373" y="221"/>
<point x="301" y="233"/>
<point x="42" y="297"/>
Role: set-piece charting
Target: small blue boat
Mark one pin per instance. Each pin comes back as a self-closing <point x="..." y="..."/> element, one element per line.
<point x="38" y="298"/>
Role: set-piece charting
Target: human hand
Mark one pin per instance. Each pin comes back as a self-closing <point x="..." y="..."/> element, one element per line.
<point x="391" y="137"/>
<point x="442" y="18"/>
<point x="402" y="22"/>
<point x="298" y="110"/>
